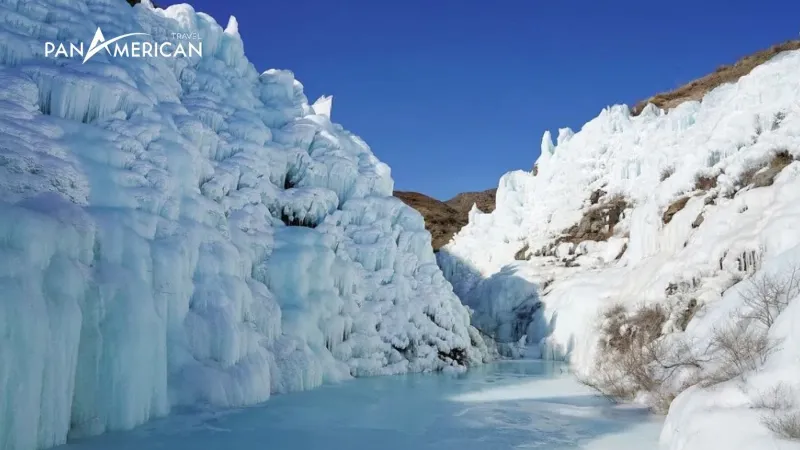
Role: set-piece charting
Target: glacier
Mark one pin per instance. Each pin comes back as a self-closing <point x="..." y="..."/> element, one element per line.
<point x="666" y="206"/>
<point x="191" y="232"/>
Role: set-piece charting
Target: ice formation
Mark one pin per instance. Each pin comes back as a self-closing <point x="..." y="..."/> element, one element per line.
<point x="323" y="106"/>
<point x="633" y="210"/>
<point x="187" y="231"/>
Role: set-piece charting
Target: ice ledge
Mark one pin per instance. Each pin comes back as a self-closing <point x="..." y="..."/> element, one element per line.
<point x="323" y="106"/>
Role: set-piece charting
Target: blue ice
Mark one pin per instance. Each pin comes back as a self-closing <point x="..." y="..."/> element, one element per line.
<point x="505" y="405"/>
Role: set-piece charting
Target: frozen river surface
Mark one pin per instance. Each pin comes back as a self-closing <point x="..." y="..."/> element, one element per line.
<point x="506" y="405"/>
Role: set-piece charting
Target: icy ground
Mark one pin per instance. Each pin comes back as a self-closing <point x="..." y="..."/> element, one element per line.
<point x="191" y="231"/>
<point x="678" y="209"/>
<point x="506" y="405"/>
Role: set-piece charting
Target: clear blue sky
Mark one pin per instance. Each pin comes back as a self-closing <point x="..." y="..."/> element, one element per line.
<point x="452" y="94"/>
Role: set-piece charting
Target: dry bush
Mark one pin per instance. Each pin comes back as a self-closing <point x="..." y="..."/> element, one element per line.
<point x="746" y="177"/>
<point x="782" y="417"/>
<point x="779" y="398"/>
<point x="781" y="159"/>
<point x="696" y="89"/>
<point x="637" y="359"/>
<point x="622" y="330"/>
<point x="610" y="385"/>
<point x="767" y="296"/>
<point x="739" y="348"/>
<point x="786" y="425"/>
<point x="647" y="368"/>
<point x="745" y="345"/>
<point x="704" y="183"/>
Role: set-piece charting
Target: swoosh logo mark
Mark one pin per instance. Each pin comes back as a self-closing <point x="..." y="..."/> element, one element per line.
<point x="98" y="43"/>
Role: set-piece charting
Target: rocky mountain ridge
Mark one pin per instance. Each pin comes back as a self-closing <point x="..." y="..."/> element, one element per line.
<point x="444" y="219"/>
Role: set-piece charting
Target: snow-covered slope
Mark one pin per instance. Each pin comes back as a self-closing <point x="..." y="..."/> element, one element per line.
<point x="187" y="231"/>
<point x="636" y="210"/>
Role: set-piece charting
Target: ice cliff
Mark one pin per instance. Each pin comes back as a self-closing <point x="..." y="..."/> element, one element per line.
<point x="189" y="231"/>
<point x="663" y="207"/>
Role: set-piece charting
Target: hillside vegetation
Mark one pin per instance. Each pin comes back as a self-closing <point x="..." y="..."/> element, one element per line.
<point x="695" y="90"/>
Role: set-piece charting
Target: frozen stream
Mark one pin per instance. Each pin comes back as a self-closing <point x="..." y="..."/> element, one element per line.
<point x="506" y="405"/>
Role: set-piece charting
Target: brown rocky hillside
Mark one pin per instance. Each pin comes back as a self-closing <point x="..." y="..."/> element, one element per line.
<point x="465" y="200"/>
<point x="696" y="89"/>
<point x="444" y="219"/>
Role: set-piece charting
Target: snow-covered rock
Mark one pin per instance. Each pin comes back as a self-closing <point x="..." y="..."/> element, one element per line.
<point x="184" y="231"/>
<point x="634" y="210"/>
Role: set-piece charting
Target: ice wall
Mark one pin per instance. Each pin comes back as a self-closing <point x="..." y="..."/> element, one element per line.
<point x="663" y="207"/>
<point x="188" y="232"/>
<point x="650" y="161"/>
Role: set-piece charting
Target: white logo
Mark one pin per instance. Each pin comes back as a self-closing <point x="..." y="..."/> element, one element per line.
<point x="131" y="49"/>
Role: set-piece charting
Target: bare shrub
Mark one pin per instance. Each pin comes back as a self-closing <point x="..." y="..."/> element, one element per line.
<point x="781" y="159"/>
<point x="786" y="425"/>
<point x="636" y="358"/>
<point x="608" y="384"/>
<point x="744" y="345"/>
<point x="778" y="398"/>
<point x="782" y="417"/>
<point x="766" y="296"/>
<point x="623" y="331"/>
<point x="646" y="369"/>
<point x="724" y="74"/>
<point x="705" y="182"/>
<point x="739" y="348"/>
